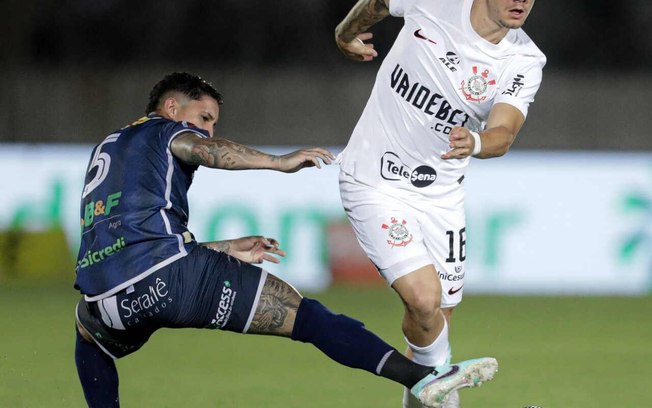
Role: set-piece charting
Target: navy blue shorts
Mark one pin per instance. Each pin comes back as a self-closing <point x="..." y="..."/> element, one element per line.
<point x="205" y="289"/>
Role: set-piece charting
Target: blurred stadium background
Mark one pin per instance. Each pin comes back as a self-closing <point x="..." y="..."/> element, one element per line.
<point x="559" y="234"/>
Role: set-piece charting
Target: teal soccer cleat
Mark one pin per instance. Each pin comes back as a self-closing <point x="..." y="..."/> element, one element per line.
<point x="433" y="390"/>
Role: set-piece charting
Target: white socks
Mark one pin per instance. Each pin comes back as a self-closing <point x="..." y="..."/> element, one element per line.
<point x="438" y="353"/>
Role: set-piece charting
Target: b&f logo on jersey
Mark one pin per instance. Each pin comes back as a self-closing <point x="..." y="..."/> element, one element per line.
<point x="399" y="236"/>
<point x="392" y="169"/>
<point x="477" y="85"/>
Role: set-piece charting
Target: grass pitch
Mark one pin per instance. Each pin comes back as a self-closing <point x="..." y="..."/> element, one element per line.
<point x="562" y="352"/>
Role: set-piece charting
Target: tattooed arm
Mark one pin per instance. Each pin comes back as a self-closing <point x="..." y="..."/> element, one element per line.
<point x="351" y="32"/>
<point x="220" y="153"/>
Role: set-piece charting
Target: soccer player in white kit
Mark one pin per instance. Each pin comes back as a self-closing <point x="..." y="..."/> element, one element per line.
<point x="456" y="83"/>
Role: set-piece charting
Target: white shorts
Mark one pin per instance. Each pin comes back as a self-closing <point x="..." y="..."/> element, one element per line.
<point x="403" y="234"/>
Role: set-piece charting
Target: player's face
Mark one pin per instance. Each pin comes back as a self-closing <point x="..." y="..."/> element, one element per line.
<point x="202" y="113"/>
<point x="509" y="13"/>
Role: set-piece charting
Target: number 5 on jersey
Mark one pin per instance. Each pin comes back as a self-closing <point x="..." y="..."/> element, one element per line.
<point x="101" y="161"/>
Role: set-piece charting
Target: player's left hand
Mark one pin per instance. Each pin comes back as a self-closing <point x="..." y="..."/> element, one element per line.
<point x="255" y="249"/>
<point x="295" y="161"/>
<point x="357" y="49"/>
<point x="461" y="144"/>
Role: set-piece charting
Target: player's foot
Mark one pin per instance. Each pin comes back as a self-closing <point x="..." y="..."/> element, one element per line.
<point x="433" y="390"/>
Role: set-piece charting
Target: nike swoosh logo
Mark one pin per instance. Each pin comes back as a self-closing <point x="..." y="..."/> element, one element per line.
<point x="454" y="369"/>
<point x="453" y="291"/>
<point x="422" y="37"/>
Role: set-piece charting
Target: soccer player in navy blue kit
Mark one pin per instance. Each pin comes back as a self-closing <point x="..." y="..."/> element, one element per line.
<point x="140" y="269"/>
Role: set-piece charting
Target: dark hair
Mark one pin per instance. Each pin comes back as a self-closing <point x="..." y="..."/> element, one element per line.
<point x="190" y="85"/>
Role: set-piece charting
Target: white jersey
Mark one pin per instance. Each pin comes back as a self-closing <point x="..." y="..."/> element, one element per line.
<point x="439" y="74"/>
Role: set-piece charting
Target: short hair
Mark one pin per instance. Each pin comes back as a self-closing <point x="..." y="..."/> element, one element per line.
<point x="193" y="86"/>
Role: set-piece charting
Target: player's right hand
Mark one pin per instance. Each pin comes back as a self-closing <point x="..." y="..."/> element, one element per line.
<point x="357" y="49"/>
<point x="297" y="160"/>
<point x="256" y="249"/>
<point x="461" y="144"/>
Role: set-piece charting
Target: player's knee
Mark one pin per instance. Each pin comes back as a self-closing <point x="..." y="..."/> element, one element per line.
<point x="421" y="293"/>
<point x="423" y="303"/>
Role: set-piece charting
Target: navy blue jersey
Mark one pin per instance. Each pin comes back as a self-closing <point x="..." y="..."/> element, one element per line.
<point x="134" y="207"/>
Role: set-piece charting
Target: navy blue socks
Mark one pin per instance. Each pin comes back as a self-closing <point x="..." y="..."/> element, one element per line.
<point x="348" y="342"/>
<point x="97" y="373"/>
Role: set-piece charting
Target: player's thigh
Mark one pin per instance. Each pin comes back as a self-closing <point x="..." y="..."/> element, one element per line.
<point x="277" y="308"/>
<point x="387" y="229"/>
<point x="445" y="239"/>
<point x="213" y="290"/>
<point x="205" y="289"/>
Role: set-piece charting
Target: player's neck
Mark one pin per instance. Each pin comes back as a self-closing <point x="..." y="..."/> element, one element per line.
<point x="486" y="28"/>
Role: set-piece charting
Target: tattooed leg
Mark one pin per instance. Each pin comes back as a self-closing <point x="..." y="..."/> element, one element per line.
<point x="282" y="311"/>
<point x="277" y="308"/>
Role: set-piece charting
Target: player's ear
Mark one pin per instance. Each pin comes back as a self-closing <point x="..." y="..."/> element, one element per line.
<point x="170" y="107"/>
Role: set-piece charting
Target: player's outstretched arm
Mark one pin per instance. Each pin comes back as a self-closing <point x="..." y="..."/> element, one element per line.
<point x="503" y="125"/>
<point x="219" y="153"/>
<point x="252" y="249"/>
<point x="350" y="33"/>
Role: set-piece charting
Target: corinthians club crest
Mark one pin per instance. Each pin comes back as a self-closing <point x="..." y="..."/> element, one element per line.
<point x="398" y="233"/>
<point x="476" y="86"/>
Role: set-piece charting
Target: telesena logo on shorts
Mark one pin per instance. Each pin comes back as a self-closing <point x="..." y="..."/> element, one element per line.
<point x="393" y="169"/>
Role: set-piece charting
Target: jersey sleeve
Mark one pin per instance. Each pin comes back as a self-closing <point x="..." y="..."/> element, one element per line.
<point x="398" y="8"/>
<point x="520" y="83"/>
<point x="430" y="8"/>
<point x="174" y="129"/>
